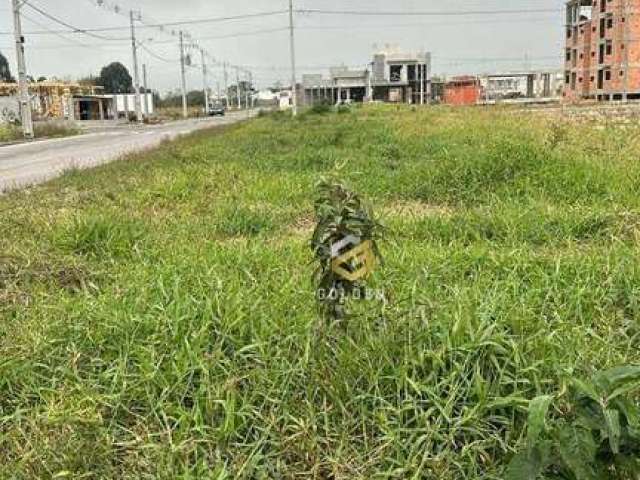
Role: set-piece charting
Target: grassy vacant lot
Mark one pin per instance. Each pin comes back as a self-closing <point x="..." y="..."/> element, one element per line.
<point x="11" y="133"/>
<point x="158" y="317"/>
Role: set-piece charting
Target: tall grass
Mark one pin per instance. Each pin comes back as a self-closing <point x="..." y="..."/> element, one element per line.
<point x="189" y="344"/>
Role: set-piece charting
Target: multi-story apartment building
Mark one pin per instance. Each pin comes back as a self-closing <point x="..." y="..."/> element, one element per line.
<point x="602" y="55"/>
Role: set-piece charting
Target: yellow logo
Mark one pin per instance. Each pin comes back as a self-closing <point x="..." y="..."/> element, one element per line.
<point x="356" y="263"/>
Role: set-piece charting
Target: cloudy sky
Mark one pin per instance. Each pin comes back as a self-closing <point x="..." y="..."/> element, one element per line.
<point x="473" y="43"/>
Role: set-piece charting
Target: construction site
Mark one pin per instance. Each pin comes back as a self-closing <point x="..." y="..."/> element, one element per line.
<point x="52" y="100"/>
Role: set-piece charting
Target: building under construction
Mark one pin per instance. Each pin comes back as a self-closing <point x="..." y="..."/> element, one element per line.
<point x="393" y="76"/>
<point x="602" y="55"/>
<point x="61" y="100"/>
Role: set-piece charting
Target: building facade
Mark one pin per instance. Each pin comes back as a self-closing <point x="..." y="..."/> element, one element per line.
<point x="602" y="52"/>
<point x="393" y="76"/>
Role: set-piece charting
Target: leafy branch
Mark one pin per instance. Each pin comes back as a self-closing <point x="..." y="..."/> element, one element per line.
<point x="596" y="438"/>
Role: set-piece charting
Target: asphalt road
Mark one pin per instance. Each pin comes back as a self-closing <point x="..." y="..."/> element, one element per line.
<point x="26" y="164"/>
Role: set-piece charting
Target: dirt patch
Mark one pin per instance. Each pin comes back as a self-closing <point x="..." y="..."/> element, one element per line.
<point x="16" y="273"/>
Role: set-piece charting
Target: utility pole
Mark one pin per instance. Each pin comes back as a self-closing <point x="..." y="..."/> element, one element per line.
<point x="25" y="101"/>
<point x="292" y="49"/>
<point x="226" y="85"/>
<point x="247" y="92"/>
<point x="146" y="89"/>
<point x="251" y="89"/>
<point x="238" y="88"/>
<point x="204" y="80"/>
<point x="422" y="75"/>
<point x="370" y="81"/>
<point x="183" y="74"/>
<point x="136" y="72"/>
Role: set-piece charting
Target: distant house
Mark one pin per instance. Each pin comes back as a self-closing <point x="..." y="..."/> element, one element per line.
<point x="393" y="76"/>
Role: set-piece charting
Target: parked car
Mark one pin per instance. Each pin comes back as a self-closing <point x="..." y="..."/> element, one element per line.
<point x="216" y="109"/>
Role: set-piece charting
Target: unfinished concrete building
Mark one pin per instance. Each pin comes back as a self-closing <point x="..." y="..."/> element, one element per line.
<point x="393" y="76"/>
<point x="602" y="53"/>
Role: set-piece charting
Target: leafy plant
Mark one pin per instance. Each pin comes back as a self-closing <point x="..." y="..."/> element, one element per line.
<point x="596" y="438"/>
<point x="339" y="214"/>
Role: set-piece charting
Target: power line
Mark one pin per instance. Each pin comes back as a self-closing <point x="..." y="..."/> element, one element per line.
<point x="156" y="25"/>
<point x="65" y="24"/>
<point x="75" y="42"/>
<point x="153" y="54"/>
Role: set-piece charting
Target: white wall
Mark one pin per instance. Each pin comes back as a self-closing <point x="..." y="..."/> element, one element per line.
<point x="127" y="103"/>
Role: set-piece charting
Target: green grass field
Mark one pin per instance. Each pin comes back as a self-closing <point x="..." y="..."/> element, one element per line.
<point x="158" y="317"/>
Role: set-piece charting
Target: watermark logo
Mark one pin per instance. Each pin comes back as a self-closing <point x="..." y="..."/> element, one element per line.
<point x="352" y="259"/>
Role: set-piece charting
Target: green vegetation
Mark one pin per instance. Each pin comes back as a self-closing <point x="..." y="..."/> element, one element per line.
<point x="596" y="438"/>
<point x="159" y="318"/>
<point x="12" y="133"/>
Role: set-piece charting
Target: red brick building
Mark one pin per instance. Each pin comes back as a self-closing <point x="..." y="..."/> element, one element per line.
<point x="462" y="91"/>
<point x="602" y="55"/>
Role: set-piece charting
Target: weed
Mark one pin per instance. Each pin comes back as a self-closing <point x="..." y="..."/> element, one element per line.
<point x="597" y="438"/>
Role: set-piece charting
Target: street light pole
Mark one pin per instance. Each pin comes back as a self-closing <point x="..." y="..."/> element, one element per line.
<point x="204" y="80"/>
<point x="292" y="50"/>
<point x="226" y="86"/>
<point x="238" y="88"/>
<point x="183" y="74"/>
<point x="146" y="89"/>
<point x="25" y="101"/>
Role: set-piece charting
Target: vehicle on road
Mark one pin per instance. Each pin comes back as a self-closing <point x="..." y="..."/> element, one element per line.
<point x="216" y="109"/>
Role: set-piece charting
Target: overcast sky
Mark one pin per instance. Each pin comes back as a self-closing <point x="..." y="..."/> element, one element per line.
<point x="459" y="44"/>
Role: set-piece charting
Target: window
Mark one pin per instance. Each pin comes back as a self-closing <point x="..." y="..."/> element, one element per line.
<point x="609" y="23"/>
<point x="609" y="47"/>
<point x="607" y="75"/>
<point x="395" y="73"/>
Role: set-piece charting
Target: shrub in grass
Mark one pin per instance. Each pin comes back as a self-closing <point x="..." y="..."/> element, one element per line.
<point x="320" y="108"/>
<point x="339" y="213"/>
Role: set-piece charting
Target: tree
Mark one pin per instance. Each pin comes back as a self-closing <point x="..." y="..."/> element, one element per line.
<point x="5" y="72"/>
<point x="115" y="78"/>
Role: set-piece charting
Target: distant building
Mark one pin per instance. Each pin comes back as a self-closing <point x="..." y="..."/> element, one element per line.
<point x="537" y="85"/>
<point x="393" y="76"/>
<point x="463" y="90"/>
<point x="602" y="50"/>
<point x="72" y="101"/>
